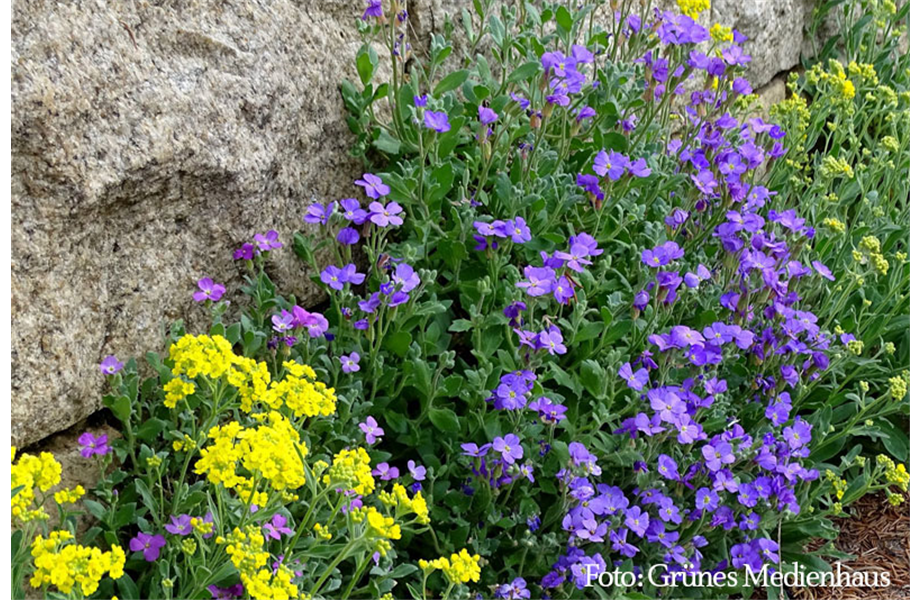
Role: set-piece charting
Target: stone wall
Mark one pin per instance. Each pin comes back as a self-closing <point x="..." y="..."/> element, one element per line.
<point x="150" y="138"/>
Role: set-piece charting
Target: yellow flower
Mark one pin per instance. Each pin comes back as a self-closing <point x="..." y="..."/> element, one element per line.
<point x="693" y="8"/>
<point x="351" y="469"/>
<point x="65" y="565"/>
<point x="30" y="472"/>
<point x="273" y="450"/>
<point x="177" y="389"/>
<point x="322" y="532"/>
<point x="69" y="496"/>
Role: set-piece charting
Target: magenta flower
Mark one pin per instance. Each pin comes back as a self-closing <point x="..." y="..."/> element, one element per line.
<point x="110" y="365"/>
<point x="148" y="544"/>
<point x="373" y="186"/>
<point x="372" y="432"/>
<point x="245" y="252"/>
<point x="208" y="290"/>
<point x="350" y="363"/>
<point x="229" y="593"/>
<point x="268" y="240"/>
<point x="277" y="527"/>
<point x="382" y="216"/>
<point x="90" y="444"/>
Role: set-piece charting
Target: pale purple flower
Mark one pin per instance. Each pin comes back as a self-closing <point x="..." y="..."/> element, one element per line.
<point x="319" y="214"/>
<point x="372" y="432"/>
<point x="509" y="447"/>
<point x="382" y="215"/>
<point x="373" y="186"/>
<point x="111" y="365"/>
<point x="385" y="472"/>
<point x="283" y="322"/>
<point x="517" y="230"/>
<point x="267" y="241"/>
<point x="551" y="339"/>
<point x="417" y="472"/>
<point x="437" y="121"/>
<point x="350" y="362"/>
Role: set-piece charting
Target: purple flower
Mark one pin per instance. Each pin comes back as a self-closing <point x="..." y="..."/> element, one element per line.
<point x="319" y="214"/>
<point x="337" y="278"/>
<point x="487" y="115"/>
<point x="371" y="430"/>
<point x="706" y="499"/>
<point x="540" y="280"/>
<point x="551" y="339"/>
<point x="667" y="467"/>
<point x="385" y="472"/>
<point x="148" y="544"/>
<point x="516" y="590"/>
<point x="660" y="256"/>
<point x="111" y="365"/>
<point x="420" y="101"/>
<point x="234" y="591"/>
<point x="284" y="322"/>
<point x="405" y="278"/>
<point x="636" y="520"/>
<point x="718" y="454"/>
<point x="90" y="444"/>
<point x="509" y="447"/>
<point x="245" y="252"/>
<point x="374" y="9"/>
<point x="373" y="186"/>
<point x="610" y="164"/>
<point x="179" y="525"/>
<point x="277" y="527"/>
<point x="208" y="290"/>
<point x="823" y="270"/>
<point x="352" y="211"/>
<point x="348" y="236"/>
<point x="382" y="216"/>
<point x="350" y="362"/>
<point x="798" y="435"/>
<point x="517" y="230"/>
<point x="417" y="472"/>
<point x="634" y="379"/>
<point x="267" y="241"/>
<point x="548" y="411"/>
<point x="437" y="121"/>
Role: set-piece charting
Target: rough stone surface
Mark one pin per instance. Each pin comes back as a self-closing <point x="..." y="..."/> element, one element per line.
<point x="150" y="138"/>
<point x="775" y="31"/>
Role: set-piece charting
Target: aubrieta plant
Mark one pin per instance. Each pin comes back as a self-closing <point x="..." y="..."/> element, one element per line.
<point x="590" y="309"/>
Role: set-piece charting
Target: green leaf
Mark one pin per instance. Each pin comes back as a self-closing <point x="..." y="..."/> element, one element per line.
<point x="444" y="419"/>
<point x="398" y="343"/>
<point x="366" y="62"/>
<point x="387" y="143"/>
<point x="451" y="82"/>
<point x="592" y="377"/>
<point x="126" y="587"/>
<point x="564" y="19"/>
<point x="525" y="71"/>
<point x="120" y="407"/>
<point x="460" y="325"/>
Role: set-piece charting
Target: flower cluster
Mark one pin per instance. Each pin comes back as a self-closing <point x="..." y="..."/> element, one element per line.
<point x="64" y="564"/>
